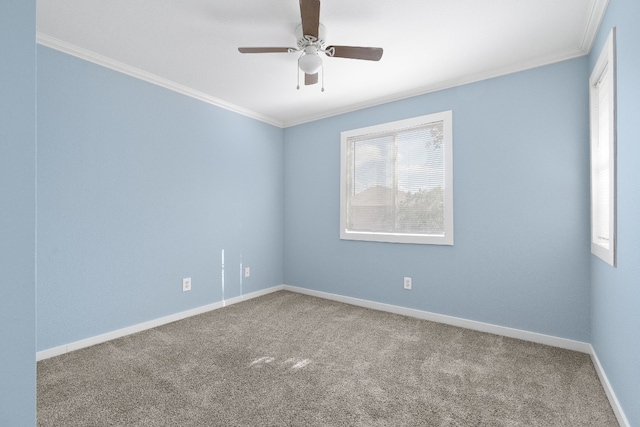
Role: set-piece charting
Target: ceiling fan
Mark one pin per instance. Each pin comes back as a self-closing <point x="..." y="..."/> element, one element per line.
<point x="311" y="41"/>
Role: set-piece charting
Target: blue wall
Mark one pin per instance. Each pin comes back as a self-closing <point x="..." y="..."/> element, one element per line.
<point x="521" y="207"/>
<point x="17" y="212"/>
<point x="138" y="187"/>
<point x="616" y="291"/>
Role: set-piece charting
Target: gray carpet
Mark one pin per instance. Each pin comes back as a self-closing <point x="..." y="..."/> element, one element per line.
<point x="287" y="359"/>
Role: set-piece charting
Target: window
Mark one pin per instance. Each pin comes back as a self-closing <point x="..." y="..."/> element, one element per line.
<point x="602" y="105"/>
<point x="396" y="181"/>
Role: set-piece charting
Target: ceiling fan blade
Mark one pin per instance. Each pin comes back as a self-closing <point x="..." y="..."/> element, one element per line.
<point x="310" y="14"/>
<point x="264" y="49"/>
<point x="310" y="79"/>
<point x="356" y="52"/>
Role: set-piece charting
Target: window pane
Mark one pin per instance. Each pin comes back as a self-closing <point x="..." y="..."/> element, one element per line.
<point x="371" y="200"/>
<point x="602" y="112"/>
<point x="396" y="181"/>
<point x="421" y="180"/>
<point x="601" y="166"/>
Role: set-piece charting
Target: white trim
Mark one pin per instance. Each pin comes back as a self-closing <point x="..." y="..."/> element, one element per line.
<point x="347" y="177"/>
<point x="419" y="314"/>
<point x="597" y="11"/>
<point x="98" y="339"/>
<point x="62" y="46"/>
<point x="606" y="64"/>
<point x="121" y="67"/>
<point x="567" y="344"/>
<point x="596" y="14"/>
<point x="449" y="84"/>
<point x="606" y="385"/>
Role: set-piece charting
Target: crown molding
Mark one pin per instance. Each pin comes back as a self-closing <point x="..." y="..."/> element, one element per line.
<point x="596" y="13"/>
<point x="461" y="81"/>
<point x="87" y="55"/>
<point x="597" y="9"/>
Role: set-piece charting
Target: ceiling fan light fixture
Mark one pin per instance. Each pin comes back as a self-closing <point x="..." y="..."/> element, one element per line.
<point x="310" y="62"/>
<point x="311" y="36"/>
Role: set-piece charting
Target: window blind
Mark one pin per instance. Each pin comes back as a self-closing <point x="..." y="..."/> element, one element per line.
<point x="396" y="181"/>
<point x="601" y="164"/>
<point x="602" y="116"/>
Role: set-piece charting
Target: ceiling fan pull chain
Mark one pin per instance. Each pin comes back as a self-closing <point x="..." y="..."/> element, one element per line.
<point x="322" y="90"/>
<point x="298" y="87"/>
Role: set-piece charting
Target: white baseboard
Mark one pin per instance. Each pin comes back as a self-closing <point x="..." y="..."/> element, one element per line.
<point x="606" y="385"/>
<point x="419" y="314"/>
<point x="568" y="344"/>
<point x="425" y="315"/>
<point x="87" y="342"/>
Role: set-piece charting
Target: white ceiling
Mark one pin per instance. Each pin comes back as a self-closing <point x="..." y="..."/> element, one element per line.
<point x="191" y="46"/>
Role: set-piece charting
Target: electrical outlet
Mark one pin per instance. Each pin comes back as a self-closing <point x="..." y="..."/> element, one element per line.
<point x="186" y="284"/>
<point x="407" y="282"/>
<point x="247" y="272"/>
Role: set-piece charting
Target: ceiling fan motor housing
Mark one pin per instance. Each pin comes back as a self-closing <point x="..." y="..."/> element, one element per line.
<point x="305" y="40"/>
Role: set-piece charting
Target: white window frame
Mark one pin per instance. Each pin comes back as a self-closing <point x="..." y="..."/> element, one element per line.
<point x="603" y="77"/>
<point x="447" y="239"/>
